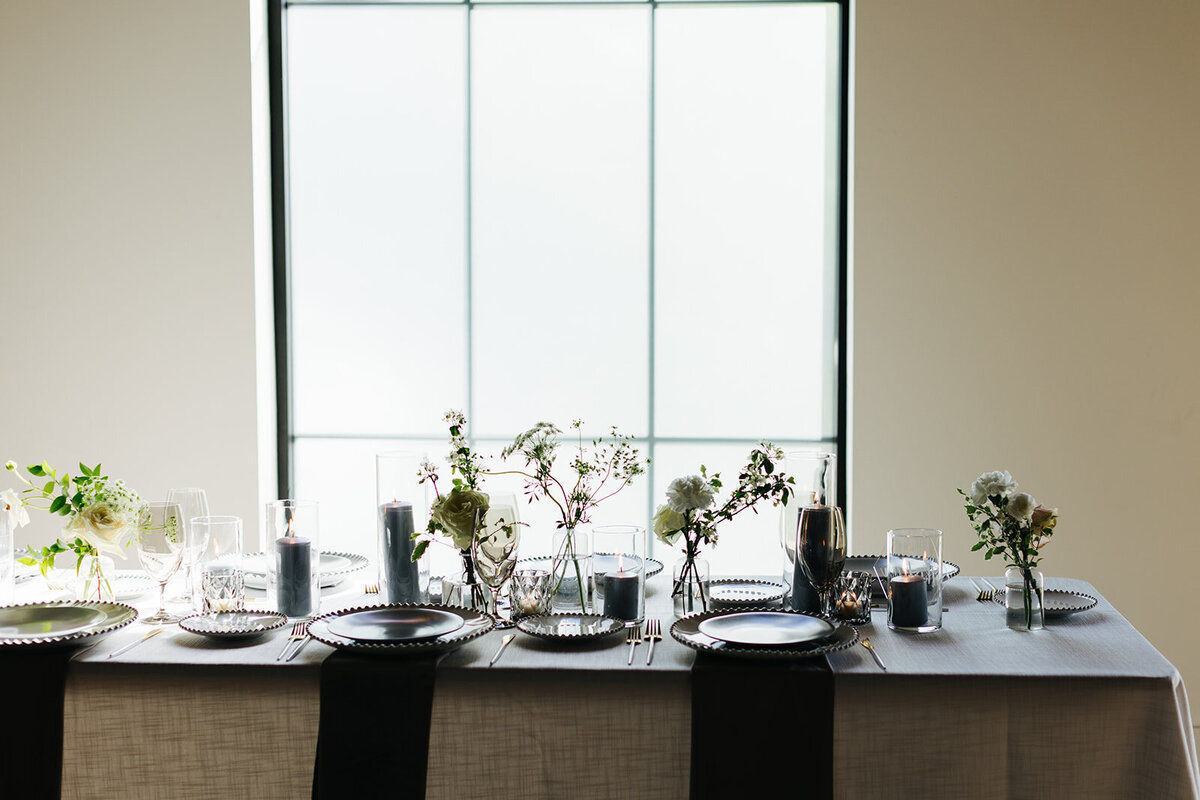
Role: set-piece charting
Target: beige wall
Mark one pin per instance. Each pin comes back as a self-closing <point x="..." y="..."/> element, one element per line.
<point x="1026" y="279"/>
<point x="126" y="244"/>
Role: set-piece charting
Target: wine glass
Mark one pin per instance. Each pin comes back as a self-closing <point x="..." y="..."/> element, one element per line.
<point x="495" y="557"/>
<point x="160" y="549"/>
<point x="821" y="549"/>
<point x="193" y="503"/>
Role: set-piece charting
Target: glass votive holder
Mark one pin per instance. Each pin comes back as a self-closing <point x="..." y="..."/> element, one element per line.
<point x="914" y="579"/>
<point x="619" y="572"/>
<point x="222" y="583"/>
<point x="530" y="592"/>
<point x="293" y="558"/>
<point x="852" y="598"/>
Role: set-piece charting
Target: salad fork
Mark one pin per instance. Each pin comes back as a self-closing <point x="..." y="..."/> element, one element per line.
<point x="634" y="638"/>
<point x="653" y="634"/>
<point x="299" y="631"/>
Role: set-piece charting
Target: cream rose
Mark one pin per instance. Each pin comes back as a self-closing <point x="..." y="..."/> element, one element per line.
<point x="459" y="512"/>
<point x="667" y="524"/>
<point x="990" y="484"/>
<point x="1020" y="506"/>
<point x="101" y="527"/>
<point x="690" y="493"/>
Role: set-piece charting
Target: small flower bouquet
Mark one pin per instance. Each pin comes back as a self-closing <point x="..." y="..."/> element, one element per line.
<point x="689" y="513"/>
<point x="102" y="514"/>
<point x="1014" y="526"/>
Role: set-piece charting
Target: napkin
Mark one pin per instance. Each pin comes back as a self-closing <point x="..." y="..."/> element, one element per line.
<point x="761" y="726"/>
<point x="31" y="738"/>
<point x="373" y="738"/>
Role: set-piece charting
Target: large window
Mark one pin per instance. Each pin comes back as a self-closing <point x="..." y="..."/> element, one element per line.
<point x="630" y="213"/>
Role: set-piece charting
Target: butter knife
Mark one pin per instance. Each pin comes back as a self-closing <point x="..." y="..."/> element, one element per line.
<point x="508" y="637"/>
<point x="131" y="645"/>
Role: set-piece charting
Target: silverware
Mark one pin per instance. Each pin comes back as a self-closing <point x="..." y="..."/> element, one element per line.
<point x="504" y="642"/>
<point x="372" y="588"/>
<point x="985" y="595"/>
<point x="871" y="649"/>
<point x="299" y="631"/>
<point x="653" y="634"/>
<point x="131" y="645"/>
<point x="307" y="638"/>
<point x="995" y="591"/>
<point x="634" y="638"/>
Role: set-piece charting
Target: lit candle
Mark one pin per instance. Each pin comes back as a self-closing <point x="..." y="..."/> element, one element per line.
<point x="848" y="606"/>
<point x="909" y="601"/>
<point x="622" y="592"/>
<point x="293" y="568"/>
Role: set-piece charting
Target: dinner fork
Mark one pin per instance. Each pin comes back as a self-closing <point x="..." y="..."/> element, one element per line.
<point x="372" y="588"/>
<point x="634" y="638"/>
<point x="653" y="634"/>
<point x="299" y="631"/>
<point x="985" y="595"/>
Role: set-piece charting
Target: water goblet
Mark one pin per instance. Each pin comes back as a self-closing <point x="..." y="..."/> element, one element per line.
<point x="821" y="549"/>
<point x="160" y="549"/>
<point x="495" y="558"/>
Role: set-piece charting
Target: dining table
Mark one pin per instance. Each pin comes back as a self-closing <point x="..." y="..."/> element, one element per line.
<point x="1085" y="708"/>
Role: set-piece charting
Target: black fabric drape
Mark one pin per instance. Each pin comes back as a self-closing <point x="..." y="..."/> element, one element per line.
<point x="31" y="737"/>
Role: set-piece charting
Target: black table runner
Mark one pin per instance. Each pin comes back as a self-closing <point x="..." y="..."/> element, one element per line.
<point x="759" y="726"/>
<point x="31" y="738"/>
<point x="373" y="739"/>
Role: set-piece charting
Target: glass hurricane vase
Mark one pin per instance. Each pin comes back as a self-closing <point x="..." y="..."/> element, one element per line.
<point x="1024" y="594"/>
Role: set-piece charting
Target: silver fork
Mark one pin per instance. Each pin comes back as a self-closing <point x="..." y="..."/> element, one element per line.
<point x="299" y="631"/>
<point x="372" y="588"/>
<point x="994" y="591"/>
<point x="653" y="634"/>
<point x="634" y="638"/>
<point x="985" y="595"/>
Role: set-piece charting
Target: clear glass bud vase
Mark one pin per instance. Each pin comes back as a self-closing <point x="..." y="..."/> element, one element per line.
<point x="690" y="586"/>
<point x="1024" y="593"/>
<point x="94" y="581"/>
<point x="572" y="571"/>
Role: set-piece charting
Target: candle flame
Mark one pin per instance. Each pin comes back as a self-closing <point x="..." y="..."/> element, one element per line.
<point x="291" y="526"/>
<point x="620" y="564"/>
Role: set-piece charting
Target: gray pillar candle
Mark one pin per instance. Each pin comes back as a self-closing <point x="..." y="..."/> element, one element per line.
<point x="909" y="601"/>
<point x="293" y="570"/>
<point x="622" y="590"/>
<point x="397" y="571"/>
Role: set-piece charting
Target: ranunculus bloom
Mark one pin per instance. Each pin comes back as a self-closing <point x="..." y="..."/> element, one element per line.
<point x="667" y="524"/>
<point x="459" y="512"/>
<point x="1044" y="518"/>
<point x="990" y="484"/>
<point x="1020" y="506"/>
<point x="101" y="527"/>
<point x="690" y="493"/>
<point x="12" y="506"/>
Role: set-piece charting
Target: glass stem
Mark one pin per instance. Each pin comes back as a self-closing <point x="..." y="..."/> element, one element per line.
<point x="162" y="598"/>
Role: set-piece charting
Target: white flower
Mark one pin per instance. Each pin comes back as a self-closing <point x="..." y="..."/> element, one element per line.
<point x="12" y="505"/>
<point x="990" y="484"/>
<point x="101" y="526"/>
<point x="667" y="524"/>
<point x="690" y="493"/>
<point x="1020" y="506"/>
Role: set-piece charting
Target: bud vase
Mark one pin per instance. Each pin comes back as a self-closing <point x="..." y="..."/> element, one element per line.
<point x="571" y="574"/>
<point x="1024" y="593"/>
<point x="93" y="581"/>
<point x="690" y="586"/>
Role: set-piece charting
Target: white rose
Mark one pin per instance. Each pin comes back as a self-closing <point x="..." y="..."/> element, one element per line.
<point x="1020" y="506"/>
<point x="102" y="528"/>
<point x="690" y="493"/>
<point x="990" y="484"/>
<point x="13" y="506"/>
<point x="667" y="524"/>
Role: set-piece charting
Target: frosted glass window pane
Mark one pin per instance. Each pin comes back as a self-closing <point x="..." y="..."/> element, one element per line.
<point x="560" y="180"/>
<point x="378" y="205"/>
<point x="741" y="346"/>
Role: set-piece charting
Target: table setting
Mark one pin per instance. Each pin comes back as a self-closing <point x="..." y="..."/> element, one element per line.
<point x="596" y="618"/>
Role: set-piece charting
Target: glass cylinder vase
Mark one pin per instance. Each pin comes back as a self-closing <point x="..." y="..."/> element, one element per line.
<point x="571" y="572"/>
<point x="1024" y="599"/>
<point x="293" y="557"/>
<point x="691" y="585"/>
<point x="619" y="572"/>
<point x="402" y="509"/>
<point x="815" y="476"/>
<point x="7" y="562"/>
<point x="93" y="581"/>
<point x="914" y="574"/>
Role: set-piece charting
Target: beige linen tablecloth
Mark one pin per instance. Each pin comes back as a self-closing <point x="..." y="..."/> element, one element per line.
<point x="1087" y="708"/>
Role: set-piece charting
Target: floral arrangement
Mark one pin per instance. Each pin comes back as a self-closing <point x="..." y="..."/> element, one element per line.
<point x="692" y="513"/>
<point x="596" y="475"/>
<point x="102" y="513"/>
<point x="461" y="513"/>
<point x="1010" y="524"/>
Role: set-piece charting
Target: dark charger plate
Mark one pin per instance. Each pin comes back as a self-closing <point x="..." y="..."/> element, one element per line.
<point x="475" y="624"/>
<point x="686" y="631"/>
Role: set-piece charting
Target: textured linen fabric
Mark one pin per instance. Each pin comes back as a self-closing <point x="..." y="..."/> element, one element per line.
<point x="1086" y="708"/>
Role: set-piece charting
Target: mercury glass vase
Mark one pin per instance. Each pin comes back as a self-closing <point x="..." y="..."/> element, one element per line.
<point x="1024" y="595"/>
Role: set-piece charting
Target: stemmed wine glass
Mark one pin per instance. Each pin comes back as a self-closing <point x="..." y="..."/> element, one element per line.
<point x="160" y="551"/>
<point x="193" y="503"/>
<point x="495" y="557"/>
<point x="821" y="549"/>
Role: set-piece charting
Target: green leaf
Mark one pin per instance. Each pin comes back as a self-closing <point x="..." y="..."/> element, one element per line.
<point x="978" y="546"/>
<point x="84" y="469"/>
<point x="419" y="550"/>
<point x="27" y="561"/>
<point x="48" y="488"/>
<point x="36" y="470"/>
<point x="58" y="504"/>
<point x="988" y="556"/>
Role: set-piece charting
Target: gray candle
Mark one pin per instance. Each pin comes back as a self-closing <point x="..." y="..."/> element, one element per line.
<point x="622" y="591"/>
<point x="293" y="566"/>
<point x="397" y="571"/>
<point x="909" y="602"/>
